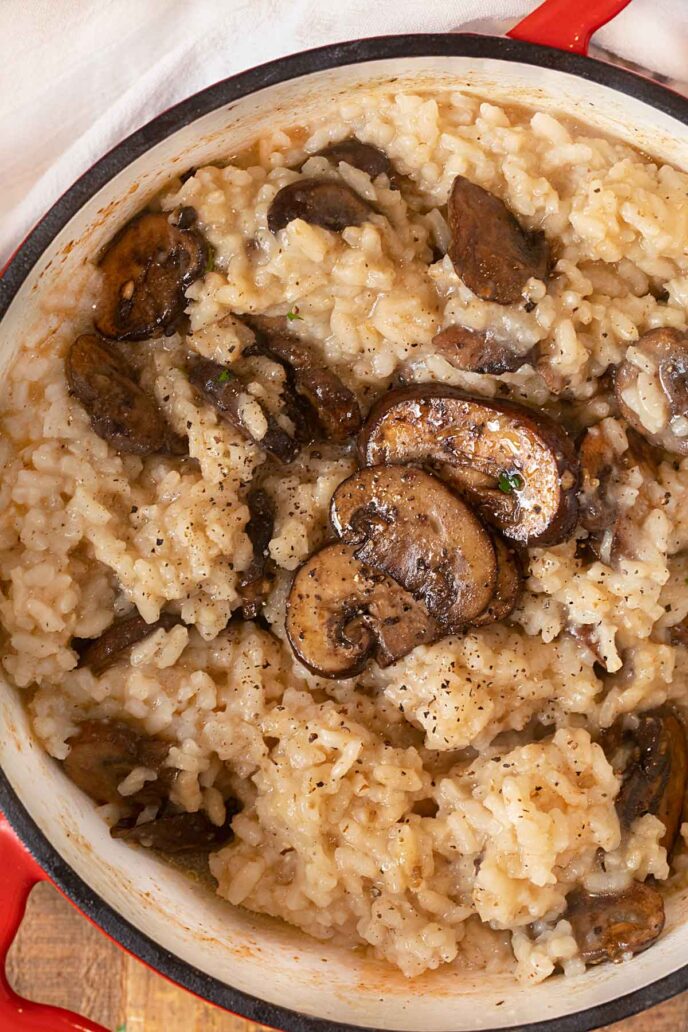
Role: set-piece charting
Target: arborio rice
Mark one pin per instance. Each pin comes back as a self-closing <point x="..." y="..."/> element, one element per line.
<point x="464" y="783"/>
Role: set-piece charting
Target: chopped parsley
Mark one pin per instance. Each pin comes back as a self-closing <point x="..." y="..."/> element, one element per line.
<point x="509" y="482"/>
<point x="122" y="1027"/>
<point x="294" y="314"/>
<point x="225" y="376"/>
<point x="210" y="263"/>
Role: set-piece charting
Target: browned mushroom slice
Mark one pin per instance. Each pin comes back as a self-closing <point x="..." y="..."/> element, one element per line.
<point x="492" y="253"/>
<point x="653" y="761"/>
<point x="508" y="587"/>
<point x="100" y="653"/>
<point x="409" y="526"/>
<point x="652" y="389"/>
<point x="340" y="614"/>
<point x="334" y="405"/>
<point x="119" y="411"/>
<point x="104" y="752"/>
<point x="518" y="466"/>
<point x="598" y="511"/>
<point x="478" y="351"/>
<point x="146" y="269"/>
<point x="179" y="832"/>
<point x="226" y="393"/>
<point x="616" y="925"/>
<point x="365" y="156"/>
<point x="322" y="202"/>
<point x="255" y="582"/>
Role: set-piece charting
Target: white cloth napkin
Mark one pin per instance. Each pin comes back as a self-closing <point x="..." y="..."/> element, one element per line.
<point x="76" y="76"/>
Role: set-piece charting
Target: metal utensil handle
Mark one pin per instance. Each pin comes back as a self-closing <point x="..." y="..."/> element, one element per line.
<point x="567" y="24"/>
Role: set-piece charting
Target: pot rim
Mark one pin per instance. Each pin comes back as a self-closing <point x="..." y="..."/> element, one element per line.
<point x="226" y="91"/>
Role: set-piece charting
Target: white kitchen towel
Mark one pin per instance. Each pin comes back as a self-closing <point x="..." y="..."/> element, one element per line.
<point x="77" y="76"/>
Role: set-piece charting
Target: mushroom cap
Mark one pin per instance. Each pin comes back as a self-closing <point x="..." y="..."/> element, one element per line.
<point x="322" y="202"/>
<point x="103" y="753"/>
<point x="100" y="653"/>
<point x="518" y="466"/>
<point x="652" y="391"/>
<point x="340" y="614"/>
<point x="508" y="587"/>
<point x="180" y="832"/>
<point x="478" y="351"/>
<point x="146" y="269"/>
<point x="370" y="159"/>
<point x="255" y="582"/>
<point x="611" y="926"/>
<point x="408" y="525"/>
<point x="491" y="252"/>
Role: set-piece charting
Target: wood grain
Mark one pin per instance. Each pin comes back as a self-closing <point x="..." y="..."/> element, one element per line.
<point x="59" y="958"/>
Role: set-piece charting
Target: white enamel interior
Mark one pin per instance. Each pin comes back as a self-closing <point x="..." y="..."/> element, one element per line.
<point x="274" y="963"/>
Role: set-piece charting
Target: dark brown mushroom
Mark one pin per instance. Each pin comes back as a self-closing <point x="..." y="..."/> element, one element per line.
<point x="370" y="159"/>
<point x="104" y="752"/>
<point x="179" y="832"/>
<point x="518" y="466"/>
<point x="146" y="269"/>
<point x="120" y="412"/>
<point x="508" y="587"/>
<point x="666" y="352"/>
<point x="226" y="393"/>
<point x="491" y="252"/>
<point x="322" y="202"/>
<point x="478" y="351"/>
<point x="653" y="762"/>
<point x="100" y="653"/>
<point x="254" y="583"/>
<point x="341" y="613"/>
<point x="614" y="926"/>
<point x="409" y="526"/>
<point x="334" y="405"/>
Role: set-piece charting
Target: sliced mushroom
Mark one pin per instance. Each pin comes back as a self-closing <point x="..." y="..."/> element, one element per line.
<point x="119" y="411"/>
<point x="614" y="926"/>
<point x="226" y="393"/>
<point x="508" y="587"/>
<point x="478" y="351"/>
<point x="146" y="269"/>
<point x="104" y="752"/>
<point x="653" y="762"/>
<point x="341" y="613"/>
<point x="255" y="582"/>
<point x="598" y="459"/>
<point x="370" y="159"/>
<point x="334" y="405"/>
<point x="179" y="832"/>
<point x="322" y="202"/>
<point x="652" y="389"/>
<point x="491" y="252"/>
<point x="100" y="653"/>
<point x="518" y="466"/>
<point x="409" y="526"/>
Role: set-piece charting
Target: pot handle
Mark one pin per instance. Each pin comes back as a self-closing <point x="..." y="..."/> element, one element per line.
<point x="20" y="873"/>
<point x="567" y="24"/>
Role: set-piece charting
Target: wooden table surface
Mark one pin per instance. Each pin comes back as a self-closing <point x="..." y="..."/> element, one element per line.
<point x="59" y="958"/>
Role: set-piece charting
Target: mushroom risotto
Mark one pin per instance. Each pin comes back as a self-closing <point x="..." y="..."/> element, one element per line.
<point x="344" y="532"/>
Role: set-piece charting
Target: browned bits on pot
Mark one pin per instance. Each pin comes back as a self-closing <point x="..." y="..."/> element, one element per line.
<point x="228" y="396"/>
<point x="653" y="762"/>
<point x="341" y="613"/>
<point x="333" y="404"/>
<point x="516" y="465"/>
<point x="104" y="752"/>
<point x="100" y="653"/>
<point x="146" y="269"/>
<point x="370" y="159"/>
<point x="478" y="351"/>
<point x="321" y="202"/>
<point x="491" y="252"/>
<point x="180" y="832"/>
<point x="406" y="524"/>
<point x="654" y="399"/>
<point x="120" y="412"/>
<point x="255" y="581"/>
<point x="615" y="926"/>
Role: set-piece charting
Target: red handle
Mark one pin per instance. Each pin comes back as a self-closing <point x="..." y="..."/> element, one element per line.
<point x="567" y="24"/>
<point x="20" y="873"/>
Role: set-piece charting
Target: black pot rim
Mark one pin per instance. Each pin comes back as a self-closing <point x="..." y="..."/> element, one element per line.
<point x="222" y="93"/>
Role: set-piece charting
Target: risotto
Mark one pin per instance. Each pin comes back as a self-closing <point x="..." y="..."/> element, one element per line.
<point x="344" y="532"/>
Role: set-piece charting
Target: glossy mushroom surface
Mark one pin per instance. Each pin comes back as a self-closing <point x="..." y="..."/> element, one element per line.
<point x="651" y="387"/>
<point x="517" y="466"/>
<point x="508" y="586"/>
<point x="478" y="351"/>
<point x="370" y="159"/>
<point x="322" y="202"/>
<point x="615" y="926"/>
<point x="408" y="525"/>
